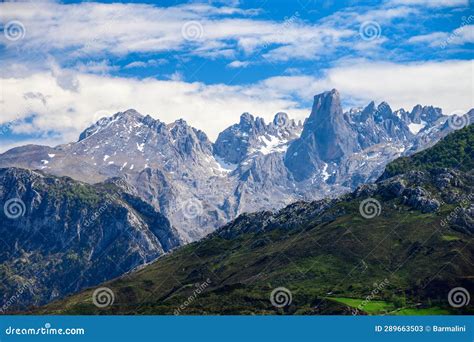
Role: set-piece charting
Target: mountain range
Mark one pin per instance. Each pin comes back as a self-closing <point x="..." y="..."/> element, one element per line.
<point x="397" y="246"/>
<point x="199" y="185"/>
<point x="133" y="188"/>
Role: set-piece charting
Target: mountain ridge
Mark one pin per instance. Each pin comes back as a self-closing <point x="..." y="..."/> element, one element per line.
<point x="59" y="235"/>
<point x="253" y="165"/>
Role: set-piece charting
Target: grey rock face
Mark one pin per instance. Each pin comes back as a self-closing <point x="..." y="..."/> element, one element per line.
<point x="326" y="137"/>
<point x="464" y="221"/>
<point x="65" y="235"/>
<point x="163" y="163"/>
<point x="251" y="134"/>
<point x="233" y="143"/>
<point x="444" y="178"/>
<point x="421" y="114"/>
<point x="351" y="146"/>
<point x="417" y="198"/>
<point x="376" y="125"/>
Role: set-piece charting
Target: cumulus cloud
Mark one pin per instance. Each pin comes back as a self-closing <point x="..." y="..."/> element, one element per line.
<point x="445" y="84"/>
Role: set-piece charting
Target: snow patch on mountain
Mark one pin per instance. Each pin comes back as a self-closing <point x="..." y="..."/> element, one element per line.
<point x="416" y="127"/>
<point x="324" y="172"/>
<point x="223" y="166"/>
<point x="270" y="144"/>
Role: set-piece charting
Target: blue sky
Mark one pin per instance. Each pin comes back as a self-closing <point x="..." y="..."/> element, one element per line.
<point x="66" y="64"/>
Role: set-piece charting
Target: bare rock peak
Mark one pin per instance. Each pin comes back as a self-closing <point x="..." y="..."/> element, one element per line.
<point x="280" y="119"/>
<point x="246" y="118"/>
<point x="131" y="112"/>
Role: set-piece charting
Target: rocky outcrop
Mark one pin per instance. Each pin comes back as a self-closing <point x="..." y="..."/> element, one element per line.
<point x="60" y="235"/>
<point x="418" y="199"/>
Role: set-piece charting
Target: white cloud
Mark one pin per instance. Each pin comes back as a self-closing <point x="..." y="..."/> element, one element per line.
<point x="447" y="84"/>
<point x="384" y="15"/>
<point x="430" y="3"/>
<point x="430" y="38"/>
<point x="98" y="31"/>
<point x="462" y="35"/>
<point x="176" y="76"/>
<point x="307" y="44"/>
<point x="93" y="30"/>
<point x="145" y="64"/>
<point x="100" y="67"/>
<point x="68" y="110"/>
<point x="138" y="64"/>
<point x="238" y="64"/>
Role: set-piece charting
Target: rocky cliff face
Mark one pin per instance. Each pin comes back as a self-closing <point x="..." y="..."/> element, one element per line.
<point x="326" y="138"/>
<point x="59" y="235"/>
<point x="252" y="136"/>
